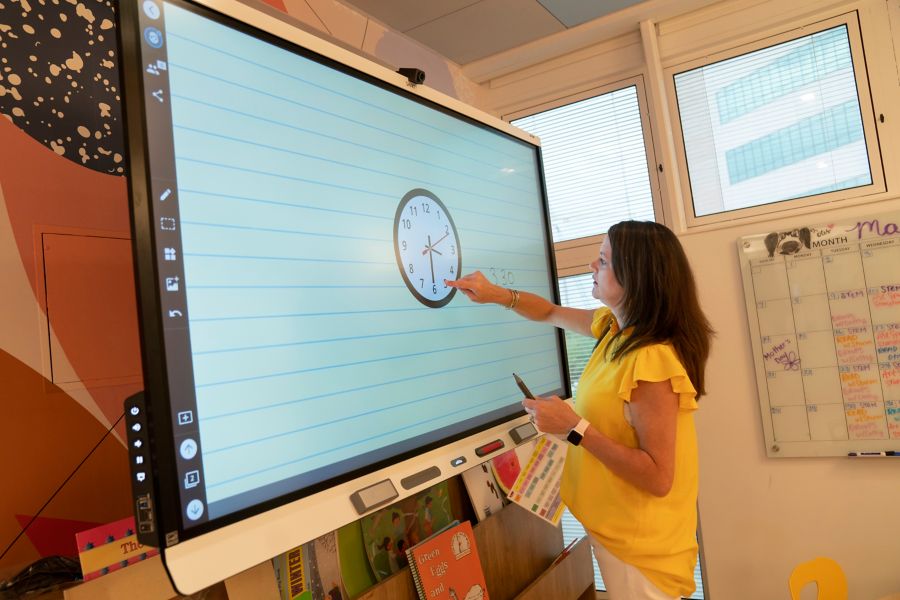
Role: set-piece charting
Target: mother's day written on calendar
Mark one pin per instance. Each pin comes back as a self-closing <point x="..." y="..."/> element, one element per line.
<point x="824" y="313"/>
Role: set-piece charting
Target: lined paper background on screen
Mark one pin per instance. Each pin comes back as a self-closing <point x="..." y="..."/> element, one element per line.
<point x="308" y="348"/>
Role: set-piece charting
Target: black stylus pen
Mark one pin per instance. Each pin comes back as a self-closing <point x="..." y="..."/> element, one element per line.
<point x="523" y="387"/>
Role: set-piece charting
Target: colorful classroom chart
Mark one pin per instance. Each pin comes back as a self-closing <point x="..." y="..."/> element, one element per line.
<point x="537" y="487"/>
<point x="823" y="304"/>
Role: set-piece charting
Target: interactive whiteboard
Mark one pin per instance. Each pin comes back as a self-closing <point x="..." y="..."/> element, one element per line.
<point x="823" y="304"/>
<point x="296" y="211"/>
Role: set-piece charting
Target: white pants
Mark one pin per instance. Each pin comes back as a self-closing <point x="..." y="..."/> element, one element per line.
<point x="624" y="581"/>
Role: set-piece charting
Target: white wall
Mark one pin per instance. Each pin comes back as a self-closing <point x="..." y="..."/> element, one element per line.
<point x="759" y="516"/>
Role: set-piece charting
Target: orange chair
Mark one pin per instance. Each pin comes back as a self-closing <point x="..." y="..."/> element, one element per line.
<point x="827" y="575"/>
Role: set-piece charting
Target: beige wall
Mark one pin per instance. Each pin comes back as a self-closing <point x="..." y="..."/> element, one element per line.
<point x="759" y="516"/>
<point x="340" y="23"/>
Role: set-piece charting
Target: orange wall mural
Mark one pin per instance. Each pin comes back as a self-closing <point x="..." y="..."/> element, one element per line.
<point x="69" y="353"/>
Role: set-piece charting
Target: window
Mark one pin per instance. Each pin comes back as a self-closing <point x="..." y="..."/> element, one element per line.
<point x="595" y="162"/>
<point x="784" y="122"/>
<point x="575" y="291"/>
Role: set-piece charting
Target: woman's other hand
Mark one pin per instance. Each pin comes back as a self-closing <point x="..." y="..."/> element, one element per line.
<point x="478" y="289"/>
<point x="551" y="414"/>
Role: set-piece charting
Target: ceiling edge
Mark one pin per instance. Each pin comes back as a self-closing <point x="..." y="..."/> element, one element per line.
<point x="576" y="38"/>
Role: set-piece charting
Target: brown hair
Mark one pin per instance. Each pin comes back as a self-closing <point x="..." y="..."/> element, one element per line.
<point x="660" y="300"/>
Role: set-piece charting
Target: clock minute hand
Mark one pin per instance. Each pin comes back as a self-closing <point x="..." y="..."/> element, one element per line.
<point x="431" y="258"/>
<point x="439" y="241"/>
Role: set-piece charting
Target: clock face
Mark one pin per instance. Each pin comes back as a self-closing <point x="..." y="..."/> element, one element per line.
<point x="427" y="247"/>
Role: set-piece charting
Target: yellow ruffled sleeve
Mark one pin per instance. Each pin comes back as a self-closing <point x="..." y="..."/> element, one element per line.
<point x="602" y="317"/>
<point x="657" y="362"/>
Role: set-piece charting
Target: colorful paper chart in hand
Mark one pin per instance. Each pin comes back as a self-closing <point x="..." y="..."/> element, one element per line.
<point x="537" y="487"/>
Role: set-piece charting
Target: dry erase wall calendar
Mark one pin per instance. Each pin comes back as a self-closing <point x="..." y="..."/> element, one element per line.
<point x="824" y="311"/>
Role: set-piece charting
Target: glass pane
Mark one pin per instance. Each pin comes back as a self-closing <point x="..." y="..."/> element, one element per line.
<point x="595" y="163"/>
<point x="575" y="292"/>
<point x="772" y="125"/>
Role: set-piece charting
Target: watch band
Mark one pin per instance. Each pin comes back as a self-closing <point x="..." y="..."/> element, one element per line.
<point x="577" y="433"/>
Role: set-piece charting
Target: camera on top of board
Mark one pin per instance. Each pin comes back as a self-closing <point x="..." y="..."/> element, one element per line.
<point x="415" y="76"/>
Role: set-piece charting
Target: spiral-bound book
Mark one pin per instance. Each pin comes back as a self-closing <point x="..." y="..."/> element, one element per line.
<point x="446" y="566"/>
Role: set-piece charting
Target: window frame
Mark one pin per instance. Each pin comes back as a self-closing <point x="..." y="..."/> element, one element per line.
<point x="849" y="196"/>
<point x="574" y="257"/>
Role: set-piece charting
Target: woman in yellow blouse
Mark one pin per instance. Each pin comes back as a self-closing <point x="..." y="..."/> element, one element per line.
<point x="631" y="473"/>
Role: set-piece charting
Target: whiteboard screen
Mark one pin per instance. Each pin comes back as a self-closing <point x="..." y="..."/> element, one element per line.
<point x="823" y="304"/>
<point x="304" y="218"/>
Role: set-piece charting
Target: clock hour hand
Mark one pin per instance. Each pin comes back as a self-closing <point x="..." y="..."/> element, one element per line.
<point x="430" y="248"/>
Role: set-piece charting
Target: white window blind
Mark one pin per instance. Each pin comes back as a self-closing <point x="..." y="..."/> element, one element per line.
<point x="595" y="163"/>
<point x="775" y="124"/>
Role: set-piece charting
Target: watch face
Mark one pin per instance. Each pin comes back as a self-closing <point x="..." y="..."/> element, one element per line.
<point x="427" y="247"/>
<point x="574" y="437"/>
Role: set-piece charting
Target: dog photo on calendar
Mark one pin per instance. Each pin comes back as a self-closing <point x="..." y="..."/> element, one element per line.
<point x="788" y="242"/>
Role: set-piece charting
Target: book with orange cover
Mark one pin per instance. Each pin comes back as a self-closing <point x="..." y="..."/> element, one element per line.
<point x="110" y="547"/>
<point x="446" y="566"/>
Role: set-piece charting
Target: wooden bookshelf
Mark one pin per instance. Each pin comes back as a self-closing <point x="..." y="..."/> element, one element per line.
<point x="571" y="577"/>
<point x="514" y="545"/>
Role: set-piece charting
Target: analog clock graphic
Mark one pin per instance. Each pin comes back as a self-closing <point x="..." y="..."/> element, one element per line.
<point x="427" y="247"/>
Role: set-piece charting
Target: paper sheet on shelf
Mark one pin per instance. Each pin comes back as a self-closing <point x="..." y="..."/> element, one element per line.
<point x="537" y="487"/>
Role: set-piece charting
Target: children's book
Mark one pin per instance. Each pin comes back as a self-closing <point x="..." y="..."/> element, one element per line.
<point x="508" y="465"/>
<point x="389" y="532"/>
<point x="311" y="571"/>
<point x="290" y="572"/>
<point x="356" y="572"/>
<point x="110" y="547"/>
<point x="483" y="489"/>
<point x="446" y="566"/>
<point x="324" y="574"/>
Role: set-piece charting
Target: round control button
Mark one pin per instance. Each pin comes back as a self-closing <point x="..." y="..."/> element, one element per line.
<point x="188" y="449"/>
<point x="194" y="510"/>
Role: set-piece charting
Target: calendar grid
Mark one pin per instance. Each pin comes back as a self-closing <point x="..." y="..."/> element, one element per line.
<point x="846" y="431"/>
<point x="826" y="323"/>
